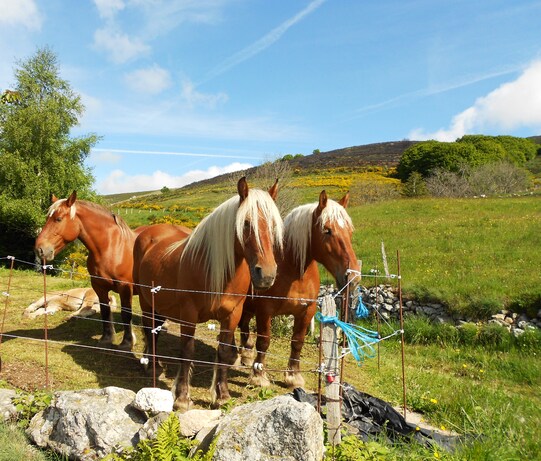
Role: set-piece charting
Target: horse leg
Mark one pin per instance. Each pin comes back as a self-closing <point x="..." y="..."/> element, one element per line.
<point x="181" y="386"/>
<point x="106" y="316"/>
<point x="293" y="377"/>
<point x="246" y="340"/>
<point x="226" y="355"/>
<point x="259" y="376"/>
<point x="128" y="341"/>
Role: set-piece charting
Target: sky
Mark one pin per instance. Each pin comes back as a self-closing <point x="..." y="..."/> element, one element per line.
<point x="183" y="90"/>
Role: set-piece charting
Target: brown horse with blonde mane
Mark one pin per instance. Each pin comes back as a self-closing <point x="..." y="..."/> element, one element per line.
<point x="109" y="241"/>
<point x="315" y="233"/>
<point x="206" y="275"/>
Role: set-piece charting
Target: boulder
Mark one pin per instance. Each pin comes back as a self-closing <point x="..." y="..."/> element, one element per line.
<point x="152" y="400"/>
<point x="7" y="409"/>
<point x="279" y="428"/>
<point x="88" y="424"/>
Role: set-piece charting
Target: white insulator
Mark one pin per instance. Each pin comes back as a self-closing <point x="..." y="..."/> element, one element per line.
<point x="258" y="366"/>
<point x="144" y="361"/>
<point x="211" y="326"/>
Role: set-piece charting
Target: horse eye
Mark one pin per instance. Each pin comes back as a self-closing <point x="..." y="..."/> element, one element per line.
<point x="58" y="219"/>
<point x="327" y="231"/>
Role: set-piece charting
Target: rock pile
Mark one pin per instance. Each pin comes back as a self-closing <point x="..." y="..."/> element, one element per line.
<point x="384" y="299"/>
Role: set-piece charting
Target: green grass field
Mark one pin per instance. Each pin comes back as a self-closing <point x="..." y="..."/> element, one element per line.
<point x="475" y="255"/>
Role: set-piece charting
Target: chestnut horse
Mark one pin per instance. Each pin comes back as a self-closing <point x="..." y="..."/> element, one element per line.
<point x="109" y="241"/>
<point x="207" y="274"/>
<point x="315" y="233"/>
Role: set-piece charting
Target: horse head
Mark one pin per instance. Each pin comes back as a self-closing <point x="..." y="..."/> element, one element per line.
<point x="332" y="231"/>
<point x="259" y="232"/>
<point x="59" y="229"/>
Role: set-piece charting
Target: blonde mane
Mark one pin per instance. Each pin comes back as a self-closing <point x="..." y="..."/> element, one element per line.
<point x="213" y="241"/>
<point x="298" y="227"/>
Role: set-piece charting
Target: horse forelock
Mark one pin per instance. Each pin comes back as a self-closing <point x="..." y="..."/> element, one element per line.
<point x="298" y="226"/>
<point x="56" y="205"/>
<point x="223" y="225"/>
<point x="334" y="212"/>
<point x="260" y="202"/>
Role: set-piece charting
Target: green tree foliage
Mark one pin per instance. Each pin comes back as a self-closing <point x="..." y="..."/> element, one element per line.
<point x="37" y="155"/>
<point x="470" y="151"/>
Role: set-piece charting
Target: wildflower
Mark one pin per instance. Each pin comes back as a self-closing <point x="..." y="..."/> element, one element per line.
<point x="436" y="455"/>
<point x="464" y="365"/>
<point x="417" y="428"/>
<point x="434" y="401"/>
<point x="443" y="428"/>
<point x="481" y="371"/>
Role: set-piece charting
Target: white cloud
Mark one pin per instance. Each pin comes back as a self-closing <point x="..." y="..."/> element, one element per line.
<point x="513" y="105"/>
<point x="20" y="12"/>
<point x="109" y="8"/>
<point x="194" y="98"/>
<point x="119" y="46"/>
<point x="118" y="181"/>
<point x="152" y="80"/>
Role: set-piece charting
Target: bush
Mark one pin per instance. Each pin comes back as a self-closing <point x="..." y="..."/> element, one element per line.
<point x="494" y="335"/>
<point x="489" y="179"/>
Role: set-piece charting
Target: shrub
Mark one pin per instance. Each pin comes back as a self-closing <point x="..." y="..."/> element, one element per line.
<point x="495" y="335"/>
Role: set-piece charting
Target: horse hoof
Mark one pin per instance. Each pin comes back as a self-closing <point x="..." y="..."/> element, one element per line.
<point x="106" y="341"/>
<point x="294" y="380"/>
<point x="247" y="359"/>
<point x="260" y="381"/>
<point x="127" y="343"/>
<point x="182" y="406"/>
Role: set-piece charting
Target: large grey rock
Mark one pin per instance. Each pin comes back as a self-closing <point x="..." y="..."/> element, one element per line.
<point x="7" y="409"/>
<point x="88" y="424"/>
<point x="281" y="428"/>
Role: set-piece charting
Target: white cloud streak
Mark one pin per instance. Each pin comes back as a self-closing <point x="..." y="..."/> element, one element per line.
<point x="20" y="13"/>
<point x="511" y="106"/>
<point x="263" y="43"/>
<point x="119" y="182"/>
<point x="176" y="154"/>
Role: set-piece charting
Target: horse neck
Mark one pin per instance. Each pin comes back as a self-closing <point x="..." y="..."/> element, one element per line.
<point x="97" y="234"/>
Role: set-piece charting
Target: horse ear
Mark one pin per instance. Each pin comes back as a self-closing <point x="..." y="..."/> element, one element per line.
<point x="322" y="201"/>
<point x="242" y="188"/>
<point x="54" y="198"/>
<point x="71" y="199"/>
<point x="344" y="200"/>
<point x="273" y="191"/>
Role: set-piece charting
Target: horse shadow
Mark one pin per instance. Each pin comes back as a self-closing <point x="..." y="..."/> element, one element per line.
<point x="111" y="366"/>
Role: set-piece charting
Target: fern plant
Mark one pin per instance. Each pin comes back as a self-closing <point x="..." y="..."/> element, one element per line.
<point x="168" y="445"/>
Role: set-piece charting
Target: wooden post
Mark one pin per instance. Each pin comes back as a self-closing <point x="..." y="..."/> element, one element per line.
<point x="384" y="257"/>
<point x="7" y="295"/>
<point x="332" y="378"/>
<point x="46" y="327"/>
<point x="402" y="342"/>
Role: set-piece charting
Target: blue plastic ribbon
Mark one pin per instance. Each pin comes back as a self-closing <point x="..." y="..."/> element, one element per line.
<point x="360" y="339"/>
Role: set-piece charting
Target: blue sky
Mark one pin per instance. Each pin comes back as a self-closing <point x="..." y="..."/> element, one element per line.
<point x="181" y="90"/>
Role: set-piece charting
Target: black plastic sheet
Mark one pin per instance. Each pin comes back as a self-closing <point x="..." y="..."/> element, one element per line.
<point x="373" y="417"/>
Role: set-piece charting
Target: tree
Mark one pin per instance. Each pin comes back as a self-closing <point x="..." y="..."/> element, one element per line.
<point x="37" y="155"/>
<point x="470" y="150"/>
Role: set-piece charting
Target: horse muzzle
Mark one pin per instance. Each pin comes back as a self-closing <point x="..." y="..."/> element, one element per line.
<point x="263" y="279"/>
<point x="44" y="253"/>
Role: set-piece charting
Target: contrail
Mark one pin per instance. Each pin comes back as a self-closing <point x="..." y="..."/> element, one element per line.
<point x="178" y="154"/>
<point x="261" y="44"/>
